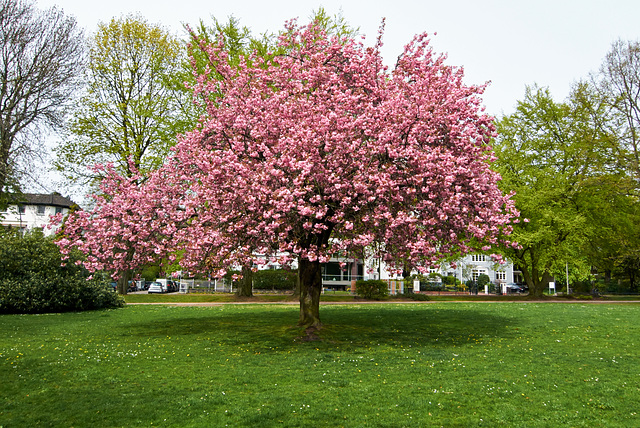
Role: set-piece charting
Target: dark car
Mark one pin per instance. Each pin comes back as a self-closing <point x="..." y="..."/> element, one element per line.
<point x="514" y="288"/>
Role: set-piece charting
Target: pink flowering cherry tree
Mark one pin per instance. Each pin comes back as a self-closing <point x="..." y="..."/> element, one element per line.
<point x="318" y="152"/>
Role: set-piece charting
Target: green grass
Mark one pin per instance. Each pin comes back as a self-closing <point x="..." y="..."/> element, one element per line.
<point x="388" y="365"/>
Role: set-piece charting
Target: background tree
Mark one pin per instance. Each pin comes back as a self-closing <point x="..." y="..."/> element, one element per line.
<point x="613" y="95"/>
<point x="128" y="113"/>
<point x="618" y="86"/>
<point x="560" y="165"/>
<point x="313" y="154"/>
<point x="41" y="57"/>
<point x="237" y="40"/>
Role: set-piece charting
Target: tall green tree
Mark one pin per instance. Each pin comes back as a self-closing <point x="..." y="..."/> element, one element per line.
<point x="560" y="167"/>
<point x="41" y="57"/>
<point x="128" y="113"/>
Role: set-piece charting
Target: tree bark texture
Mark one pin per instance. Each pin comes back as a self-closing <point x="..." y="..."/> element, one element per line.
<point x="310" y="274"/>
<point x="245" y="285"/>
<point x="123" y="281"/>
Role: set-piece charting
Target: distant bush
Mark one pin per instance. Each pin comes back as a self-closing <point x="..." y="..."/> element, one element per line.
<point x="450" y="280"/>
<point x="417" y="296"/>
<point x="278" y="279"/>
<point x="33" y="280"/>
<point x="372" y="289"/>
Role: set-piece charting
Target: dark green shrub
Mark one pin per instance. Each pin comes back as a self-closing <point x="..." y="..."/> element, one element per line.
<point x="483" y="280"/>
<point x="372" y="289"/>
<point x="34" y="280"/>
<point x="278" y="279"/>
<point x="417" y="296"/>
<point x="450" y="280"/>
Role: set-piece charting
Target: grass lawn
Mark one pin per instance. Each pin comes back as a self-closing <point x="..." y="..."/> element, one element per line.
<point x="383" y="365"/>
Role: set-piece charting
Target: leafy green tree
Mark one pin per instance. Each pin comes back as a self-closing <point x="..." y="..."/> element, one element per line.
<point x="612" y="96"/>
<point x="557" y="163"/>
<point x="41" y="56"/>
<point x="128" y="113"/>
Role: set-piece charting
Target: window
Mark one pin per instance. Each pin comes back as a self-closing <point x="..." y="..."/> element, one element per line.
<point x="477" y="272"/>
<point x="22" y="209"/>
<point x="501" y="276"/>
<point x="477" y="258"/>
<point x="58" y="210"/>
<point x="41" y="209"/>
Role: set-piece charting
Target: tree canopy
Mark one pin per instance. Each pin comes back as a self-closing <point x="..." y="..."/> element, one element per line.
<point x="129" y="109"/>
<point x="318" y="152"/>
<point x="41" y="57"/>
<point x="563" y="170"/>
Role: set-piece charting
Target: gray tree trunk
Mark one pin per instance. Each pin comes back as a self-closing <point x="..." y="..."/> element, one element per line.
<point x="245" y="285"/>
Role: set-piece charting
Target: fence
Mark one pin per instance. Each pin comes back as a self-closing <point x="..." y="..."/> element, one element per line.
<point x="206" y="286"/>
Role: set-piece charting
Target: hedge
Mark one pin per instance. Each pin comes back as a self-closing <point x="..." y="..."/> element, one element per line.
<point x="33" y="278"/>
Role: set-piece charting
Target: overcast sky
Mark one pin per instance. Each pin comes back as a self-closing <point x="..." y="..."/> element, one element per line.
<point x="511" y="43"/>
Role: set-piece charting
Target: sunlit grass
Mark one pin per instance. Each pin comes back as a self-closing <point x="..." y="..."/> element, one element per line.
<point x="436" y="364"/>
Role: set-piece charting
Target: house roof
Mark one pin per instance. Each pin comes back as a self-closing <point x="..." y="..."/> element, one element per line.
<point x="52" y="199"/>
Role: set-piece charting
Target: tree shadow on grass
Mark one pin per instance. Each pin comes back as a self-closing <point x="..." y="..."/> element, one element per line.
<point x="358" y="326"/>
<point x="416" y="324"/>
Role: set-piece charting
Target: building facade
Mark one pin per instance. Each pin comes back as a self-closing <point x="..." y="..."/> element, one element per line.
<point x="465" y="269"/>
<point x="34" y="211"/>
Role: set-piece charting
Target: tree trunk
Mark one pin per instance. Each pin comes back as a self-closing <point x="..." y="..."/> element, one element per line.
<point x="245" y="285"/>
<point x="310" y="276"/>
<point x="296" y="290"/>
<point x="545" y="280"/>
<point x="123" y="282"/>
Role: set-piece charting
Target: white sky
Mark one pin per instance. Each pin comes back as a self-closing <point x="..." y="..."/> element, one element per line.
<point x="512" y="43"/>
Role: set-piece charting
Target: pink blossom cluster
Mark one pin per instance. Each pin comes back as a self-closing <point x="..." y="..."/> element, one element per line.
<point x="316" y="153"/>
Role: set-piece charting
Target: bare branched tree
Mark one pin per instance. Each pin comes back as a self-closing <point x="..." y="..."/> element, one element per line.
<point x="41" y="60"/>
<point x="619" y="85"/>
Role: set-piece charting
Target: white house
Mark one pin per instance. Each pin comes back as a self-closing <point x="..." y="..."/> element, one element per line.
<point x="340" y="272"/>
<point x="467" y="268"/>
<point x="34" y="211"/>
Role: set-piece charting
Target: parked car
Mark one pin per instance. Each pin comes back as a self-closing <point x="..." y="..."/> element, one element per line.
<point x="514" y="288"/>
<point x="168" y="284"/>
<point x="157" y="287"/>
